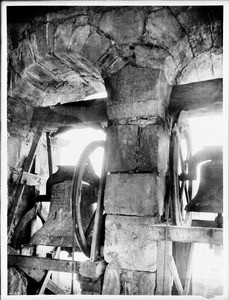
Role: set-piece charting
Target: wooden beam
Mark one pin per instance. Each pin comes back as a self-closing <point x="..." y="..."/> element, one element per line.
<point x="40" y="263"/>
<point x="30" y="179"/>
<point x="37" y="275"/>
<point x="189" y="234"/>
<point x="203" y="96"/>
<point x="20" y="189"/>
<point x="74" y="114"/>
<point x="197" y="98"/>
<point x="175" y="275"/>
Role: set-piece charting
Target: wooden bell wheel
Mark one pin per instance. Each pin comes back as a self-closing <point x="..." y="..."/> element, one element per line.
<point x="85" y="187"/>
<point x="181" y="186"/>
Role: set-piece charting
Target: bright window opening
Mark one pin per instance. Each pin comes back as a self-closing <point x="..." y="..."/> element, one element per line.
<point x="206" y="131"/>
<point x="75" y="141"/>
<point x="207" y="268"/>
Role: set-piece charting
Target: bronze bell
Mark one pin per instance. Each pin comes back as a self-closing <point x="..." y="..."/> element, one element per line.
<point x="209" y="197"/>
<point x="58" y="228"/>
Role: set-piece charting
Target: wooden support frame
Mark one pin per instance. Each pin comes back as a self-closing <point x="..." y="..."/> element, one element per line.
<point x="26" y="168"/>
<point x="203" y="235"/>
<point x="41" y="263"/>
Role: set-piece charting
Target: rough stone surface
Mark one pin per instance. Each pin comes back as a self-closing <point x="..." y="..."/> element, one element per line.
<point x="132" y="84"/>
<point x="107" y="38"/>
<point x="157" y="32"/>
<point x="156" y="58"/>
<point x="125" y="25"/>
<point x="17" y="282"/>
<point x="91" y="269"/>
<point x="134" y="194"/>
<point x="95" y="46"/>
<point x="147" y="108"/>
<point x="136" y="148"/>
<point x="212" y="70"/>
<point x="112" y="281"/>
<point x="122" y="143"/>
<point x="138" y="283"/>
<point x="129" y="243"/>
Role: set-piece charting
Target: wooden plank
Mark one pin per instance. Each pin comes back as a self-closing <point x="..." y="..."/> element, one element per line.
<point x="206" y="95"/>
<point x="175" y="275"/>
<point x="89" y="112"/>
<point x="49" y="273"/>
<point x="40" y="263"/>
<point x="189" y="234"/>
<point x="22" y="225"/>
<point x="49" y="150"/>
<point x="204" y="223"/>
<point x="163" y="278"/>
<point x="30" y="179"/>
<point x="37" y="275"/>
<point x="55" y="288"/>
<point x="27" y="166"/>
<point x="189" y="271"/>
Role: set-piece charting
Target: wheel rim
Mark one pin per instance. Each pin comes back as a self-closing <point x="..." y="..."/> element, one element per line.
<point x="180" y="153"/>
<point x="79" y="184"/>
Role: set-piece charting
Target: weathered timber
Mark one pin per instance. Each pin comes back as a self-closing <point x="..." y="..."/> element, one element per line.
<point x="26" y="168"/>
<point x="20" y="228"/>
<point x="189" y="271"/>
<point x="175" y="275"/>
<point x="204" y="223"/>
<point x="30" y="179"/>
<point x="37" y="275"/>
<point x="198" y="98"/>
<point x="49" y="150"/>
<point x="205" y="96"/>
<point x="55" y="288"/>
<point x="80" y="113"/>
<point x="40" y="263"/>
<point x="189" y="234"/>
<point x="163" y="278"/>
<point x="48" y="274"/>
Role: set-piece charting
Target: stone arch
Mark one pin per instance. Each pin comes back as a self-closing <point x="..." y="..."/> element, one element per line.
<point x="64" y="55"/>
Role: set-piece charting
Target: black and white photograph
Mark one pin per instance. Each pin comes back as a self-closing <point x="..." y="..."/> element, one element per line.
<point x="114" y="149"/>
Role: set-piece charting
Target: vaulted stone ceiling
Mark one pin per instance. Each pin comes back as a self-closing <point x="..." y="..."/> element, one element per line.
<point x="60" y="55"/>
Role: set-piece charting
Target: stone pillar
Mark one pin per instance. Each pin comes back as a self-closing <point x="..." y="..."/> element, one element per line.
<point x="138" y="144"/>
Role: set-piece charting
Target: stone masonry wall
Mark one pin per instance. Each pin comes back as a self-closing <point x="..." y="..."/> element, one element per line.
<point x="137" y="162"/>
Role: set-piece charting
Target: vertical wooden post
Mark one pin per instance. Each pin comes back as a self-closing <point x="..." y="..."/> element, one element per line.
<point x="27" y="167"/>
<point x="164" y="278"/>
<point x="49" y="149"/>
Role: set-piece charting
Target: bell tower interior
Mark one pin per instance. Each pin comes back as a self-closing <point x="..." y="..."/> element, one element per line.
<point x="116" y="144"/>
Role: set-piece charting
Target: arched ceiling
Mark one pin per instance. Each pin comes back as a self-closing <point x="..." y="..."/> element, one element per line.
<point x="61" y="55"/>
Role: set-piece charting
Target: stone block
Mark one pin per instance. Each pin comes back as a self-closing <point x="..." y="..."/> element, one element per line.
<point x="112" y="281"/>
<point x="125" y="25"/>
<point x="156" y="58"/>
<point x="136" y="148"/>
<point x="163" y="34"/>
<point x="132" y="84"/>
<point x="95" y="46"/>
<point x="130" y="243"/>
<point x="134" y="194"/>
<point x="153" y="149"/>
<point x="137" y="283"/>
<point x="132" y="110"/>
<point x="91" y="269"/>
<point x="122" y="147"/>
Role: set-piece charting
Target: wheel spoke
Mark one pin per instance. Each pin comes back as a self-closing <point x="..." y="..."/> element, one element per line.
<point x="84" y="172"/>
<point x="180" y="152"/>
